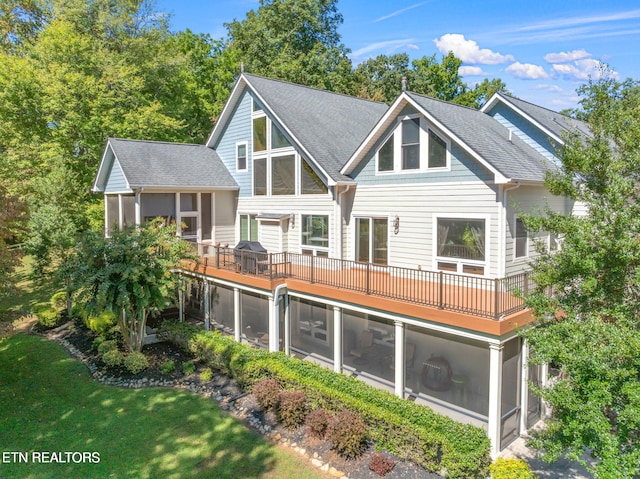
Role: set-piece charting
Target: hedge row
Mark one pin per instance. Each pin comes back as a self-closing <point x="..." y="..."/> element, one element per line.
<point x="410" y="431"/>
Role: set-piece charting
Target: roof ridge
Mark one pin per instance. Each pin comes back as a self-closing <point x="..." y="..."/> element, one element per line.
<point x="508" y="96"/>
<point x="298" y="85"/>
<point x="173" y="143"/>
<point x="447" y="102"/>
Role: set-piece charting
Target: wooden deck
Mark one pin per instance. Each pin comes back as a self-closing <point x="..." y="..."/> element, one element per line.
<point x="460" y="300"/>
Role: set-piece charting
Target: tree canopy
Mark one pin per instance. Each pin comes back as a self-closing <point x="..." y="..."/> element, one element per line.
<point x="589" y="328"/>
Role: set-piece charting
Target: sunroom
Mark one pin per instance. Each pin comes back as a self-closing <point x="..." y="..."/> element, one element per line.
<point x="181" y="183"/>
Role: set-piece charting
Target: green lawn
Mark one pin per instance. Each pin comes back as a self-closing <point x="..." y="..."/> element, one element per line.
<point x="49" y="403"/>
<point x="25" y="295"/>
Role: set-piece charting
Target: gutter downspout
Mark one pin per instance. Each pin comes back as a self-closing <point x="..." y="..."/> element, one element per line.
<point x="503" y="240"/>
<point x="340" y="232"/>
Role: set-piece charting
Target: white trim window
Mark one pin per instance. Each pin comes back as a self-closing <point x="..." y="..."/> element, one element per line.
<point x="315" y="235"/>
<point x="415" y="148"/>
<point x="520" y="240"/>
<point x="248" y="227"/>
<point x="461" y="245"/>
<point x="241" y="156"/>
<point x="372" y="240"/>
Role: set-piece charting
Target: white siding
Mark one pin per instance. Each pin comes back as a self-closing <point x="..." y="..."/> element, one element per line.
<point x="304" y="204"/>
<point x="528" y="199"/>
<point x="270" y="234"/>
<point x="225" y="218"/>
<point x="417" y="206"/>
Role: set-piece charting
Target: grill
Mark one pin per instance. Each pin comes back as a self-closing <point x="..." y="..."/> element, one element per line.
<point x="250" y="256"/>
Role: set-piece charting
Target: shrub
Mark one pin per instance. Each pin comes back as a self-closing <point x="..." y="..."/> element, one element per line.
<point x="113" y="358"/>
<point x="168" y="367"/>
<point x="347" y="433"/>
<point x="267" y="393"/>
<point x="407" y="430"/>
<point x="102" y="322"/>
<point x="511" y="469"/>
<point x="381" y="464"/>
<point x="206" y="375"/>
<point x="97" y="341"/>
<point x="59" y="301"/>
<point x="188" y="368"/>
<point x="292" y="408"/>
<point x="106" y="345"/>
<point x="136" y="362"/>
<point x="317" y="422"/>
<point x="48" y="316"/>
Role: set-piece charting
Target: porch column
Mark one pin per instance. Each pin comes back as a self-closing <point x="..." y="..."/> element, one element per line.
<point x="138" y="218"/>
<point x="236" y="314"/>
<point x="524" y="387"/>
<point x="181" y="300"/>
<point x="495" y="396"/>
<point x="120" y="213"/>
<point x="544" y="382"/>
<point x="207" y="305"/>
<point x="287" y="326"/>
<point x="400" y="363"/>
<point x="337" y="339"/>
<point x="273" y="324"/>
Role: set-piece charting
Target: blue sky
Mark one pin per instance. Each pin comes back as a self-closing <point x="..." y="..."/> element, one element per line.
<point x="543" y="50"/>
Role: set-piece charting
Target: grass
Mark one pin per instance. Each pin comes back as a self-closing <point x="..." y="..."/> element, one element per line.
<point x="50" y="403"/>
<point x="20" y="301"/>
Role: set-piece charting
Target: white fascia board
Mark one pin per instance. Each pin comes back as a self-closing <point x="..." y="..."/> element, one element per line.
<point x="226" y="111"/>
<point x="375" y="132"/>
<point x="499" y="98"/>
<point x="181" y="189"/>
<point x="107" y="149"/>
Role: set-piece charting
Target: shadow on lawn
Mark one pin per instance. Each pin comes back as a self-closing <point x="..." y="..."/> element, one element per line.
<point x="52" y="404"/>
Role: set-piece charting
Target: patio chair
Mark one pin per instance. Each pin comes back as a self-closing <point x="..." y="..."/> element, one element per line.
<point x="366" y="343"/>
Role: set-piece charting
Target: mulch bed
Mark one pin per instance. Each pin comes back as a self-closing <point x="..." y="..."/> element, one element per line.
<point x="230" y="398"/>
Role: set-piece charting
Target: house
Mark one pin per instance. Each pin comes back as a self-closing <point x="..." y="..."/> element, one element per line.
<point x="390" y="245"/>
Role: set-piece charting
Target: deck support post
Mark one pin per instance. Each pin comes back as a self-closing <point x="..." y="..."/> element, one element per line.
<point x="181" y="300"/>
<point x="273" y="324"/>
<point x="495" y="396"/>
<point x="236" y="314"/>
<point x="337" y="339"/>
<point x="400" y="363"/>
<point x="524" y="387"/>
<point x="207" y="305"/>
<point x="287" y="326"/>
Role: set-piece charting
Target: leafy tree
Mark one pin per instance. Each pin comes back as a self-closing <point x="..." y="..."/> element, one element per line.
<point x="75" y="73"/>
<point x="380" y="78"/>
<point x="589" y="327"/>
<point x="129" y="273"/>
<point x="12" y="211"/>
<point x="293" y="40"/>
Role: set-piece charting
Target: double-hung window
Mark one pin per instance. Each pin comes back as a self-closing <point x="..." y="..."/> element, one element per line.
<point x="411" y="144"/>
<point x="521" y="240"/>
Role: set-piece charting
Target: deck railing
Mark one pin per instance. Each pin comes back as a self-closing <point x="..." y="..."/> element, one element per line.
<point x="478" y="296"/>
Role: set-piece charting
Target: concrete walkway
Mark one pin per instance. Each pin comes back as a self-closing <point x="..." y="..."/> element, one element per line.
<point x="562" y="468"/>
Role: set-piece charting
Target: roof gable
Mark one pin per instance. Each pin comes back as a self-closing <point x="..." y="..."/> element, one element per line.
<point x="490" y="143"/>
<point x="162" y="165"/>
<point x="327" y="127"/>
<point x="552" y="123"/>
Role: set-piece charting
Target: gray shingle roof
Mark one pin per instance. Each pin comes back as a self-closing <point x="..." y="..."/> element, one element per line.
<point x="171" y="165"/>
<point x="514" y="159"/>
<point x="555" y="122"/>
<point x="330" y="126"/>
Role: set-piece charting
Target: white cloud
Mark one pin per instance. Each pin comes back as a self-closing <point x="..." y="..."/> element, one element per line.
<point x="471" y="71"/>
<point x="585" y="69"/>
<point x="413" y="46"/>
<point x="527" y="71"/>
<point x="468" y="50"/>
<point x="565" y="57"/>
